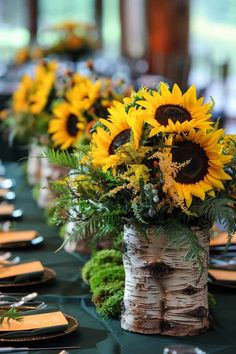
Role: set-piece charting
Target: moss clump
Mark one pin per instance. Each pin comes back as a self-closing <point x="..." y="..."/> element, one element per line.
<point x="111" y="307"/>
<point x="107" y="275"/>
<point x="102" y="259"/>
<point x="103" y="292"/>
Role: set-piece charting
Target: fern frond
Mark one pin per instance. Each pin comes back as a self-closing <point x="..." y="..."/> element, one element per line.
<point x="62" y="158"/>
<point x="179" y="236"/>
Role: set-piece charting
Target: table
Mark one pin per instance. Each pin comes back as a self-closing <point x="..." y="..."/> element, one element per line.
<point x="97" y="335"/>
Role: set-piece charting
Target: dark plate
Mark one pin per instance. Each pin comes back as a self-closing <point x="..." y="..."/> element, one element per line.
<point x="8" y="197"/>
<point x="224" y="284"/>
<point x="47" y="276"/>
<point x="222" y="248"/>
<point x="15" y="215"/>
<point x="36" y="242"/>
<point x="72" y="326"/>
<point x="7" y="183"/>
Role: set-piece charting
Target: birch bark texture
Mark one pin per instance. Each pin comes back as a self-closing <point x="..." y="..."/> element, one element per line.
<point x="34" y="164"/>
<point x="49" y="173"/>
<point x="163" y="294"/>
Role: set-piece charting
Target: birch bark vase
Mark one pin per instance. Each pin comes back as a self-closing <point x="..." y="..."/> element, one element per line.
<point x="163" y="294"/>
<point x="34" y="164"/>
<point x="49" y="173"/>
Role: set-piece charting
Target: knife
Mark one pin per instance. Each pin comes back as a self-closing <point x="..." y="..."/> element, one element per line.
<point x="25" y="349"/>
<point x="24" y="299"/>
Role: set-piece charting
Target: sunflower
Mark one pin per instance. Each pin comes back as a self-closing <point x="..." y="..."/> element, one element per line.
<point x="169" y="112"/>
<point x="84" y="93"/>
<point x="123" y="128"/>
<point x="202" y="171"/>
<point x="67" y="126"/>
<point x="20" y="101"/>
<point x="39" y="98"/>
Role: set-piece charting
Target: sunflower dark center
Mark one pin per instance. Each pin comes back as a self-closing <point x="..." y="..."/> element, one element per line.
<point x="71" y="125"/>
<point x="197" y="168"/>
<point x="173" y="112"/>
<point x="121" y="139"/>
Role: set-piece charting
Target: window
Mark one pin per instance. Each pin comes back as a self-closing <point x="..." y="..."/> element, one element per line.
<point x="14" y="33"/>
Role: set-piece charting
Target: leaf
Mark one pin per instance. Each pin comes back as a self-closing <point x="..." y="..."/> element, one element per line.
<point x="180" y="235"/>
<point x="11" y="313"/>
<point x="62" y="158"/>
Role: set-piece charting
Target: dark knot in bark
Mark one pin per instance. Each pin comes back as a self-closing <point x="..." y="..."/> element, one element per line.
<point x="200" y="312"/>
<point x="159" y="269"/>
<point x="124" y="247"/>
<point x="190" y="290"/>
<point x="123" y="309"/>
<point x="166" y="325"/>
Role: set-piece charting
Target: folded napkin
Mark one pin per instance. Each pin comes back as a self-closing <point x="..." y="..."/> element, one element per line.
<point x="221" y="240"/>
<point x="12" y="237"/>
<point x="35" y="322"/>
<point x="21" y="272"/>
<point x="222" y="275"/>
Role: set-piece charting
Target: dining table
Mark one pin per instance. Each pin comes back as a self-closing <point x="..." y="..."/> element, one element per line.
<point x="95" y="333"/>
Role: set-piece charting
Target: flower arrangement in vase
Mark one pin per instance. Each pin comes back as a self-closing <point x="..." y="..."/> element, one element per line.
<point x="70" y="39"/>
<point x="157" y="174"/>
<point x="55" y="108"/>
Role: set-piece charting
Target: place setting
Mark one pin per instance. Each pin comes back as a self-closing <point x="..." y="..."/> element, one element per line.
<point x="24" y="318"/>
<point x="222" y="263"/>
<point x="14" y="239"/>
<point x="20" y="274"/>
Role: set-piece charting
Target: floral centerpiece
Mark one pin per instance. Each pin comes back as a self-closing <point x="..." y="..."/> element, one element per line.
<point x="29" y="113"/>
<point x="71" y="40"/>
<point x="158" y="173"/>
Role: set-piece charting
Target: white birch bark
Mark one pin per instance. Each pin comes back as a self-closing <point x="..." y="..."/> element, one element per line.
<point x="49" y="173"/>
<point x="34" y="164"/>
<point x="163" y="294"/>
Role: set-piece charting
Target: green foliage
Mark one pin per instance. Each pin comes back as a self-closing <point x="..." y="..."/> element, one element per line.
<point x="179" y="236"/>
<point x="111" y="307"/>
<point x="211" y="301"/>
<point x="62" y="158"/>
<point x="220" y="210"/>
<point x="36" y="191"/>
<point x="11" y="313"/>
<point x="107" y="275"/>
<point x="104" y="258"/>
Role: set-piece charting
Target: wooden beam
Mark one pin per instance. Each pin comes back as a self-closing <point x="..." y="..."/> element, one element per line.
<point x="33" y="17"/>
<point x="168" y="34"/>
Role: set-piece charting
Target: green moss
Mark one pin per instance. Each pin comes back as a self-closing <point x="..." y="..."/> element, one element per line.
<point x="35" y="191"/>
<point x="103" y="292"/>
<point x="111" y="307"/>
<point x="99" y="260"/>
<point x="211" y="301"/>
<point x="107" y="275"/>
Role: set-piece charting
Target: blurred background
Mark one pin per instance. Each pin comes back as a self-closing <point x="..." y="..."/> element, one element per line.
<point x="140" y="41"/>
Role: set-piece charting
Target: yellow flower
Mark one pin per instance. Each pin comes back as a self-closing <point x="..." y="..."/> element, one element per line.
<point x="84" y="93"/>
<point x="67" y="126"/>
<point x="22" y="56"/>
<point x="134" y="96"/>
<point x="123" y="128"/>
<point x="32" y="93"/>
<point x="175" y="112"/>
<point x="204" y="169"/>
<point x="229" y="144"/>
<point x="20" y="102"/>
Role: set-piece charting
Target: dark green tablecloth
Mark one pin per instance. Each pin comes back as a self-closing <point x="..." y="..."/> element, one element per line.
<point x="96" y="334"/>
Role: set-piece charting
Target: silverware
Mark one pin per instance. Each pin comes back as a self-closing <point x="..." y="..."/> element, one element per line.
<point x="4" y="256"/>
<point x="24" y="299"/>
<point x="25" y="349"/>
